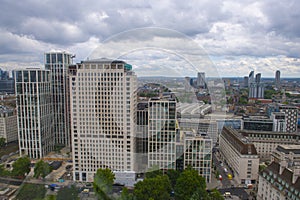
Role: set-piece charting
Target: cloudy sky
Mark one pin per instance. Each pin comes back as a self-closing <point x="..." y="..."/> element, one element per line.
<point x="236" y="36"/>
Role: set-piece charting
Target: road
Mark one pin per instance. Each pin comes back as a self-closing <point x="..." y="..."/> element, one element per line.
<point x="228" y="185"/>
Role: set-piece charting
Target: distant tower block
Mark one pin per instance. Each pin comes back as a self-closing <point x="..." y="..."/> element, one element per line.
<point x="201" y="80"/>
<point x="277" y="79"/>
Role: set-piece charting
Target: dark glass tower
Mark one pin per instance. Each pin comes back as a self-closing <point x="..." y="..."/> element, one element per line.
<point x="58" y="64"/>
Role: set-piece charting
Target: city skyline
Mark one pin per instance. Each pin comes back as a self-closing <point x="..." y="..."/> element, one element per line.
<point x="236" y="37"/>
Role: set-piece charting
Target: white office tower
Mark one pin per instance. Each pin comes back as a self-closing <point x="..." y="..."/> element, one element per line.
<point x="279" y="121"/>
<point x="58" y="63"/>
<point x="103" y="117"/>
<point x="197" y="154"/>
<point x="162" y="133"/>
<point x="35" y="116"/>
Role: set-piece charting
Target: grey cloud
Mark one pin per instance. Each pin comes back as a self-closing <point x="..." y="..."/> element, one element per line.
<point x="224" y="28"/>
<point x="283" y="17"/>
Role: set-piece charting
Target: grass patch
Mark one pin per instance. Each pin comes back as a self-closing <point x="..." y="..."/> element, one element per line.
<point x="68" y="193"/>
<point x="50" y="197"/>
<point x="12" y="147"/>
<point x="31" y="191"/>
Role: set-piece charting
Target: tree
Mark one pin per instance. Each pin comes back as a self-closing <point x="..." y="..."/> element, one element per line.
<point x="21" y="166"/>
<point x="215" y="195"/>
<point x="3" y="171"/>
<point x="2" y="142"/>
<point x="125" y="195"/>
<point x="188" y="183"/>
<point x="41" y="169"/>
<point x="103" y="181"/>
<point x="199" y="194"/>
<point x="156" y="188"/>
<point x="153" y="172"/>
<point x="173" y="176"/>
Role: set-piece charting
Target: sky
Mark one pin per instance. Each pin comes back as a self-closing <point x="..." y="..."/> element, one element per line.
<point x="175" y="38"/>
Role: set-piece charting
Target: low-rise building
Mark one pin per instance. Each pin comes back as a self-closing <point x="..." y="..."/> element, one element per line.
<point x="8" y="124"/>
<point x="266" y="142"/>
<point x="257" y="123"/>
<point x="240" y="155"/>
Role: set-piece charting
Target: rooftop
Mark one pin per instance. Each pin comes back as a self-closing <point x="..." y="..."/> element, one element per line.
<point x="238" y="141"/>
<point x="289" y="148"/>
<point x="286" y="176"/>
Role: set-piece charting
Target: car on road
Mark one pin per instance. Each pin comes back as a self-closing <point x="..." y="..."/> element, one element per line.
<point x="220" y="177"/>
<point x="229" y="176"/>
<point x="227" y="194"/>
<point x="225" y="170"/>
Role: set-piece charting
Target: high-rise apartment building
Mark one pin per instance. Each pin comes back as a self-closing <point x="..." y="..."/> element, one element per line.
<point x="251" y="78"/>
<point x="162" y="133"/>
<point x="58" y="64"/>
<point x="256" y="87"/>
<point x="103" y="103"/>
<point x="277" y="79"/>
<point x="35" y="116"/>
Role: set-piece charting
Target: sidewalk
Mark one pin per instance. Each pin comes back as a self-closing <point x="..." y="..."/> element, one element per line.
<point x="215" y="183"/>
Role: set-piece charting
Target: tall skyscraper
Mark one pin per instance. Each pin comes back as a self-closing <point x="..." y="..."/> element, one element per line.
<point x="142" y="136"/>
<point x="103" y="116"/>
<point x="35" y="116"/>
<point x="162" y="133"/>
<point x="251" y="78"/>
<point x="277" y="79"/>
<point x="258" y="78"/>
<point x="246" y="80"/>
<point x="201" y="80"/>
<point x="58" y="64"/>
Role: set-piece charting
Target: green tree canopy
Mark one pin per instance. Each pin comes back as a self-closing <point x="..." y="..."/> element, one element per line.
<point x="156" y="188"/>
<point x="2" y="142"/>
<point x="173" y="176"/>
<point x="215" y="195"/>
<point x="3" y="171"/>
<point x="21" y="166"/>
<point x="41" y="169"/>
<point x="125" y="195"/>
<point x="153" y="172"/>
<point x="188" y="183"/>
<point x="103" y="181"/>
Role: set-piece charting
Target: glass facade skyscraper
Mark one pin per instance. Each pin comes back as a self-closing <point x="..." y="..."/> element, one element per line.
<point x="58" y="64"/>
